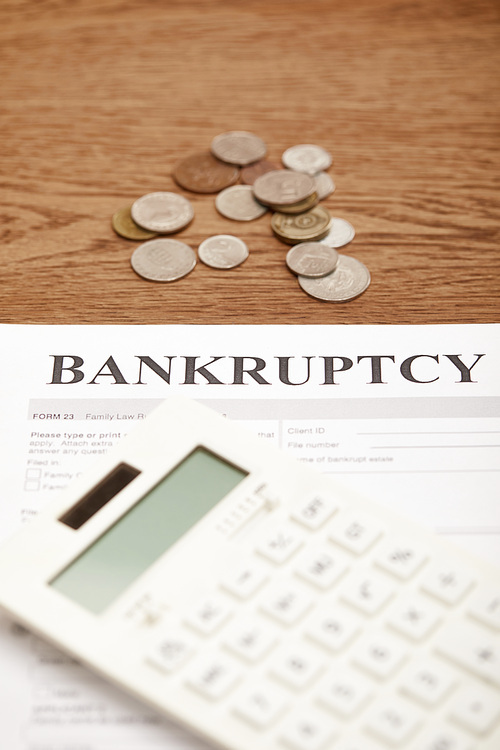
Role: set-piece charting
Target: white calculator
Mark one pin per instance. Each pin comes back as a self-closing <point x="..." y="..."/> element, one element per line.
<point x="258" y="604"/>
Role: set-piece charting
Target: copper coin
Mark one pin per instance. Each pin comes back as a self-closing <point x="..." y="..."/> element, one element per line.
<point x="203" y="173"/>
<point x="249" y="174"/>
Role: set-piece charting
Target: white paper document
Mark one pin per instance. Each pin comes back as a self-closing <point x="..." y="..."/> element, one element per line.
<point x="408" y="415"/>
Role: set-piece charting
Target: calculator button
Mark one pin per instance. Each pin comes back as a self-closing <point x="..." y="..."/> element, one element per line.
<point x="208" y="615"/>
<point x="307" y="730"/>
<point x="312" y="512"/>
<point x="286" y="604"/>
<point x="281" y="544"/>
<point x="485" y="607"/>
<point x="401" y="557"/>
<point x="322" y="566"/>
<point x="214" y="677"/>
<point x="345" y="691"/>
<point x="428" y="681"/>
<point x="251" y="640"/>
<point x="477" y="709"/>
<point x="473" y="648"/>
<point x="448" y="584"/>
<point x="261" y="704"/>
<point x="170" y="651"/>
<point x="296" y="666"/>
<point x="357" y="532"/>
<point x="442" y="737"/>
<point x="393" y="721"/>
<point x="379" y="654"/>
<point x="414" y="616"/>
<point x="333" y="627"/>
<point x="244" y="580"/>
<point x="368" y="592"/>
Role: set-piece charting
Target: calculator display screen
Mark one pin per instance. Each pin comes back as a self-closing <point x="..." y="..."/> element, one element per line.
<point x="148" y="529"/>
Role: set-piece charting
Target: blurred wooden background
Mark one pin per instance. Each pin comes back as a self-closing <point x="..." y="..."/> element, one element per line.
<point x="100" y="98"/>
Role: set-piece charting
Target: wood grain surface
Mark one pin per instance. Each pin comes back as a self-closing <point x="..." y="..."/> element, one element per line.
<point x="100" y="99"/>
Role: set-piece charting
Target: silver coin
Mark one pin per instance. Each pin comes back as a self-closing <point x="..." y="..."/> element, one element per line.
<point x="162" y="212"/>
<point x="312" y="259"/>
<point x="349" y="280"/>
<point x="238" y="203"/>
<point x="325" y="186"/>
<point x="283" y="187"/>
<point x="238" y="147"/>
<point x="223" y="251"/>
<point x="340" y="234"/>
<point x="306" y="158"/>
<point x="163" y="260"/>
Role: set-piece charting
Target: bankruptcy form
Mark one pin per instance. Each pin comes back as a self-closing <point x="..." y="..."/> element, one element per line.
<point x="407" y="415"/>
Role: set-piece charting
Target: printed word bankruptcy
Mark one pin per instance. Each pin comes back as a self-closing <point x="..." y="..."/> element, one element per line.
<point x="222" y="370"/>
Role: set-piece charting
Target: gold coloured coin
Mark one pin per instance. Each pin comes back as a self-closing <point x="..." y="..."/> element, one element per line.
<point x="124" y="225"/>
<point x="310" y="226"/>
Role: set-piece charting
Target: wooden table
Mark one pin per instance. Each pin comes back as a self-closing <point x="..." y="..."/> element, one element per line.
<point x="101" y="98"/>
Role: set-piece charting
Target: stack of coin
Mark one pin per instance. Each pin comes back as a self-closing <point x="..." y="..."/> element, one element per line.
<point x="349" y="279"/>
<point x="308" y="226"/>
<point x="292" y="193"/>
<point x="325" y="274"/>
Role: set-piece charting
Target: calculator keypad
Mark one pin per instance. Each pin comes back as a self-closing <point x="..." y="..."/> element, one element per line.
<point x="334" y="633"/>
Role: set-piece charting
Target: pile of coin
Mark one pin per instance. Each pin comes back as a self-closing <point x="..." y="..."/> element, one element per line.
<point x="293" y="193"/>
